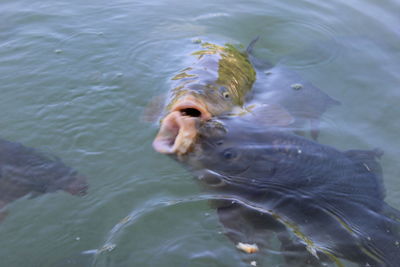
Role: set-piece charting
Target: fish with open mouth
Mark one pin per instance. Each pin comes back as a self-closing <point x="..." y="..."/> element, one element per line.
<point x="215" y="84"/>
<point x="220" y="82"/>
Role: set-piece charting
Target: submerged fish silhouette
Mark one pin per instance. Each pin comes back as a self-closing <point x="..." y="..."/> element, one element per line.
<point x="24" y="171"/>
<point x="332" y="201"/>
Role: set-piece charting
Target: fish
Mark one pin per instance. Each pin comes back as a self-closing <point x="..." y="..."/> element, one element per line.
<point x="27" y="171"/>
<point x="332" y="201"/>
<point x="216" y="83"/>
<point x="223" y="80"/>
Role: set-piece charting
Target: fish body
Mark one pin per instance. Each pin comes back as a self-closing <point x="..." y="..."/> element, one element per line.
<point x="333" y="201"/>
<point x="24" y="171"/>
<point x="235" y="147"/>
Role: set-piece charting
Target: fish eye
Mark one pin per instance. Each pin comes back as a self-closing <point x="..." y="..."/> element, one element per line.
<point x="230" y="154"/>
<point x="224" y="92"/>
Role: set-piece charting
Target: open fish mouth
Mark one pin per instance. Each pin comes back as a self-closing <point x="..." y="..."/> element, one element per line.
<point x="177" y="134"/>
<point x="192" y="107"/>
<point x="178" y="129"/>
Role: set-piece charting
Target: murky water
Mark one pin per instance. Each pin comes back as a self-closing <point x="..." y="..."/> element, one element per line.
<point x="76" y="77"/>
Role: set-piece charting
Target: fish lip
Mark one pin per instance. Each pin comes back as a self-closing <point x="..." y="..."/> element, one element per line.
<point x="164" y="142"/>
<point x="190" y="102"/>
<point x="178" y="129"/>
<point x="177" y="134"/>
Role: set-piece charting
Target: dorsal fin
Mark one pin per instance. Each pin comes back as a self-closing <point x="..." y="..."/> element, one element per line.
<point x="250" y="47"/>
<point x="272" y="115"/>
<point x="257" y="63"/>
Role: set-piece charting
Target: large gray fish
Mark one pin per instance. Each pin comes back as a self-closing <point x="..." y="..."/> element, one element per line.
<point x="220" y="82"/>
<point x="24" y="171"/>
<point x="332" y="201"/>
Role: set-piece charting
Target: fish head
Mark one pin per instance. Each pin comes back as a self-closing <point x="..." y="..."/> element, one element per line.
<point x="219" y="150"/>
<point x="205" y="100"/>
<point x="214" y="86"/>
<point x="178" y="132"/>
<point x="219" y="80"/>
<point x="233" y="149"/>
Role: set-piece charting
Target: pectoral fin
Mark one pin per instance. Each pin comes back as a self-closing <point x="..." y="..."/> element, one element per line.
<point x="314" y="128"/>
<point x="271" y="115"/>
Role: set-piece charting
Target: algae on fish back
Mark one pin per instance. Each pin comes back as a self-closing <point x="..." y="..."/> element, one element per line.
<point x="221" y="77"/>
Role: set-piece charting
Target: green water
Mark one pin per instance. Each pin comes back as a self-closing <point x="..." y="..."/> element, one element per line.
<point x="76" y="77"/>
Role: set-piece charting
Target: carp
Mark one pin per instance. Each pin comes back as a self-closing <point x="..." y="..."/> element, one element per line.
<point x="25" y="170"/>
<point x="220" y="82"/>
<point x="215" y="84"/>
<point x="332" y="201"/>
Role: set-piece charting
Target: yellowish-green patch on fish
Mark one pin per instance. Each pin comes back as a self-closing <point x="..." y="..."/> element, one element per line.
<point x="220" y="77"/>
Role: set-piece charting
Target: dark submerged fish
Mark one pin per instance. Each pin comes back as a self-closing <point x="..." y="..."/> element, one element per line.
<point x="24" y="171"/>
<point x="332" y="201"/>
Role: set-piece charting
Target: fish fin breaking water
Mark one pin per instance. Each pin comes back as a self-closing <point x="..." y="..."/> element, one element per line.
<point x="250" y="47"/>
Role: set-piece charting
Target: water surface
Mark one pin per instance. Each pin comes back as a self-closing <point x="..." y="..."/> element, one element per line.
<point x="76" y="77"/>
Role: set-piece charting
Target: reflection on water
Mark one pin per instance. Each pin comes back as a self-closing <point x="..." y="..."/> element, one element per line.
<point x="76" y="77"/>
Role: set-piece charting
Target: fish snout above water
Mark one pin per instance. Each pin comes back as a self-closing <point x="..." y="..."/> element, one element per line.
<point x="176" y="134"/>
<point x="215" y="84"/>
